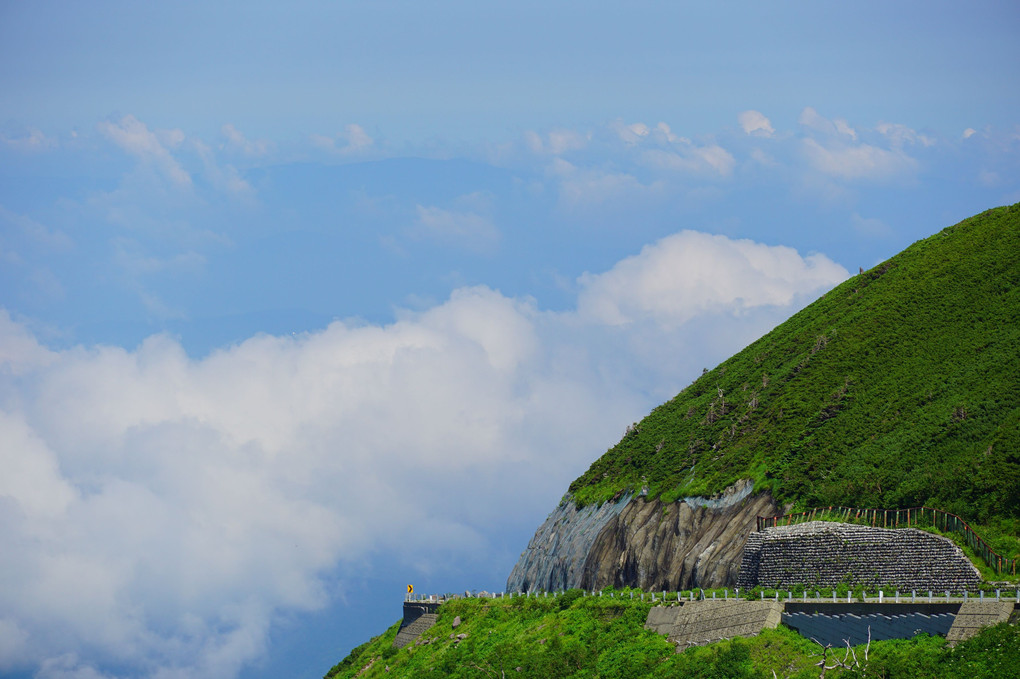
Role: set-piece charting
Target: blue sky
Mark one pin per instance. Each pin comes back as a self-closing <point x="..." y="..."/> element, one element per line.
<point x="298" y="305"/>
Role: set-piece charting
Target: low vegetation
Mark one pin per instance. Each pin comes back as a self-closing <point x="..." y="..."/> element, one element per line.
<point x="578" y="636"/>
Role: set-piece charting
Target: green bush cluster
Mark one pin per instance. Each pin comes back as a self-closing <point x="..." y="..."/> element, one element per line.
<point x="586" y="637"/>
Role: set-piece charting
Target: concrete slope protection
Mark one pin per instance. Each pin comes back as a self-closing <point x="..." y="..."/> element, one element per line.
<point x="827" y="554"/>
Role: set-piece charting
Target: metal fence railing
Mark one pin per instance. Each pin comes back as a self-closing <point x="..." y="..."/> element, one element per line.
<point x="918" y="517"/>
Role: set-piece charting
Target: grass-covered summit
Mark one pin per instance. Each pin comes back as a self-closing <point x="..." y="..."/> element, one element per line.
<point x="898" y="388"/>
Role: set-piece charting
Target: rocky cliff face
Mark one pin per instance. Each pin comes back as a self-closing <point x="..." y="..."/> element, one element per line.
<point x="696" y="542"/>
<point x="680" y="545"/>
<point x="555" y="556"/>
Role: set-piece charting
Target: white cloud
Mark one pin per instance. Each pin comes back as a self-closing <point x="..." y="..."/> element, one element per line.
<point x="691" y="273"/>
<point x="662" y="131"/>
<point x="969" y="132"/>
<point x="585" y="188"/>
<point x="844" y="128"/>
<point x="862" y="161"/>
<point x="755" y="123"/>
<point x="35" y="232"/>
<point x="226" y="178"/>
<point x="463" y="228"/>
<point x="134" y="137"/>
<point x="639" y="133"/>
<point x="762" y="158"/>
<point x="353" y="141"/>
<point x="19" y="350"/>
<point x="129" y="256"/>
<point x="556" y="142"/>
<point x="811" y="119"/>
<point x="33" y="140"/>
<point x="630" y="134"/>
<point x="710" y="160"/>
<point x="159" y="511"/>
<point x="901" y="135"/>
<point x="236" y="141"/>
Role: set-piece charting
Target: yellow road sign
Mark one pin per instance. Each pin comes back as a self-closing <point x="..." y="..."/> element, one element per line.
<point x="410" y="589"/>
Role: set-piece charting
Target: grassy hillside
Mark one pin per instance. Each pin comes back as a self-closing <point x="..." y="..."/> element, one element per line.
<point x="899" y="388"/>
<point x="574" y="636"/>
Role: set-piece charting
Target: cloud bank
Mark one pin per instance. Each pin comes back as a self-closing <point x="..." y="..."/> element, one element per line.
<point x="160" y="511"/>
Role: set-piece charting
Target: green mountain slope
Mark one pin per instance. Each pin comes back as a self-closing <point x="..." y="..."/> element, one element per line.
<point x="898" y="388"/>
<point x="575" y="636"/>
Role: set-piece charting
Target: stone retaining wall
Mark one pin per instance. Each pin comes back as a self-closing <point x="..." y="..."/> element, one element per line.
<point x="419" y="617"/>
<point x="826" y="554"/>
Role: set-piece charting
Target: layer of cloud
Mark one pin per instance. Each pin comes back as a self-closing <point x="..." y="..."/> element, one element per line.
<point x="353" y="141"/>
<point x="711" y="160"/>
<point x="858" y="162"/>
<point x="151" y="147"/>
<point x="224" y="178"/>
<point x="463" y="228"/>
<point x="555" y="142"/>
<point x="33" y="139"/>
<point x="901" y="135"/>
<point x="584" y="188"/>
<point x="835" y="149"/>
<point x="692" y="273"/>
<point x="813" y="120"/>
<point x="159" y="511"/>
<point x="755" y="123"/>
<point x="236" y="141"/>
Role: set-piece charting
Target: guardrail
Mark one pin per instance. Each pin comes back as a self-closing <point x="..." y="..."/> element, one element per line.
<point x="841" y="594"/>
<point x="918" y="517"/>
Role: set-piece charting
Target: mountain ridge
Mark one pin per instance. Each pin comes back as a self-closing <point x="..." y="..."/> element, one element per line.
<point x="897" y="388"/>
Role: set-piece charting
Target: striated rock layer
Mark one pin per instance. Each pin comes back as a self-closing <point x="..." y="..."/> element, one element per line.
<point x="696" y="542"/>
<point x="555" y="556"/>
<point x="678" y="545"/>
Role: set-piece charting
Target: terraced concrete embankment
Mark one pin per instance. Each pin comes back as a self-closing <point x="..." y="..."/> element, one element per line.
<point x="826" y="554"/>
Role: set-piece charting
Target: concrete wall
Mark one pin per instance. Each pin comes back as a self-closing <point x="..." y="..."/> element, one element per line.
<point x="419" y="616"/>
<point x="703" y="622"/>
<point x="974" y="615"/>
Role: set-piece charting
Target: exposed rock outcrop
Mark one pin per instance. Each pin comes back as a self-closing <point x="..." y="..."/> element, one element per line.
<point x="826" y="554"/>
<point x="555" y="556"/>
<point x="695" y="542"/>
